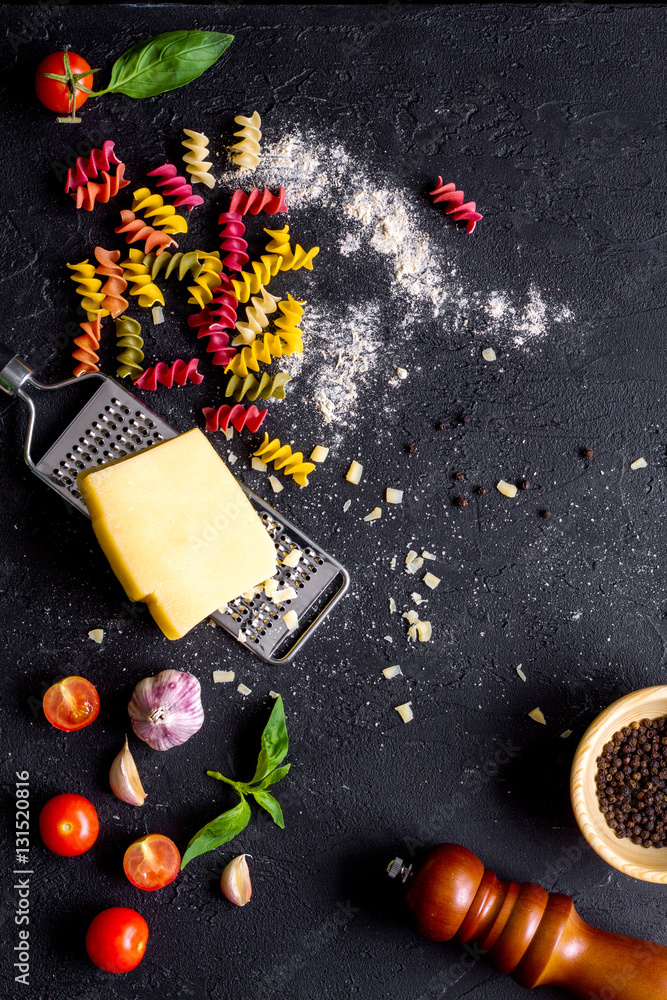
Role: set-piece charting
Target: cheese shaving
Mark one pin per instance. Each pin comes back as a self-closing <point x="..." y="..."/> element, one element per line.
<point x="287" y="594"/>
<point x="392" y="606"/>
<point x="489" y="354"/>
<point x="412" y="555"/>
<point x="507" y="489"/>
<point x="274" y="694"/>
<point x="233" y="459"/>
<point x="390" y="672"/>
<point x="392" y="564"/>
<point x="388" y="638"/>
<point x="564" y="735"/>
<point x="424" y="631"/>
<point x="418" y="599"/>
<point x="229" y="433"/>
<point x="241" y="636"/>
<point x="639" y="463"/>
<point x="319" y="453"/>
<point x="347" y="505"/>
<point x="394" y="496"/>
<point x="405" y="711"/>
<point x="244" y="690"/>
<point x="354" y="473"/>
<point x="292" y="558"/>
<point x="270" y="587"/>
<point x="401" y="373"/>
<point x="96" y="634"/>
<point x="412" y="631"/>
<point x="521" y="673"/>
<point x="428" y="555"/>
<point x="276" y="485"/>
<point x="291" y="620"/>
<point x="430" y="580"/>
<point x="223" y="676"/>
<point x="258" y="465"/>
<point x="410" y="616"/>
<point x="537" y="715"/>
<point x="374" y="515"/>
<point x="158" y="315"/>
<point x="415" y="565"/>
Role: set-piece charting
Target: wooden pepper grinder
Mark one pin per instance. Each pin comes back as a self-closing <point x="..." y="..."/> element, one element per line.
<point x="536" y="936"/>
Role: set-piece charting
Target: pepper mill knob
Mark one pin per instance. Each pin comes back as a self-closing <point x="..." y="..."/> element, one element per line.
<point x="522" y="929"/>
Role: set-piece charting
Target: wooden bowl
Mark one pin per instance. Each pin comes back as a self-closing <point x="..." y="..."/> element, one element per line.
<point x="646" y="863"/>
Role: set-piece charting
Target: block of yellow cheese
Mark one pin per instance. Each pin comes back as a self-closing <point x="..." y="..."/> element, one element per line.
<point x="178" y="530"/>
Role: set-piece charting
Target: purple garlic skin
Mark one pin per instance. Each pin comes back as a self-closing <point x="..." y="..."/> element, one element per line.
<point x="166" y="710"/>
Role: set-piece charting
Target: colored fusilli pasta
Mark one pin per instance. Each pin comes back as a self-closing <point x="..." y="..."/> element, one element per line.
<point x="175" y="187"/>
<point x="263" y="270"/>
<point x="181" y="263"/>
<point x="152" y="207"/>
<point x="292" y="314"/>
<point x="237" y="416"/>
<point x="258" y="201"/>
<point x="233" y="244"/>
<point x="88" y="168"/>
<point x="88" y="287"/>
<point x="136" y="229"/>
<point x="137" y="274"/>
<point x="279" y="244"/>
<point x="249" y="358"/>
<point x="208" y="279"/>
<point x="256" y="318"/>
<point x="179" y="372"/>
<point x="87" y="195"/>
<point x="195" y="160"/>
<point x="282" y="457"/>
<point x="218" y="343"/>
<point x="115" y="284"/>
<point x="266" y="387"/>
<point x="460" y="211"/>
<point x="87" y="345"/>
<point x="130" y="341"/>
<point x="245" y="154"/>
<point x="284" y="343"/>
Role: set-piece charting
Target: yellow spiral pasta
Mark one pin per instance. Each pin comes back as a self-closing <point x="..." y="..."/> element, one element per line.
<point x="88" y="287"/>
<point x="249" y="357"/>
<point x="245" y="154"/>
<point x="207" y="280"/>
<point x="266" y="387"/>
<point x="249" y="284"/>
<point x="282" y="456"/>
<point x="195" y="160"/>
<point x="284" y="343"/>
<point x="279" y="244"/>
<point x="136" y="272"/>
<point x="128" y="337"/>
<point x="154" y="208"/>
<point x="292" y="314"/>
<point x="256" y="318"/>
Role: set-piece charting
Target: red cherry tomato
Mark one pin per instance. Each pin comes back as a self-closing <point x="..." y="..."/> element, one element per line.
<point x="69" y="825"/>
<point x="71" y="704"/>
<point x="152" y="862"/>
<point x="116" y="939"/>
<point x="56" y="95"/>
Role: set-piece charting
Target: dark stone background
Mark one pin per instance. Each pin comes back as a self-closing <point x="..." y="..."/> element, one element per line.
<point x="552" y="117"/>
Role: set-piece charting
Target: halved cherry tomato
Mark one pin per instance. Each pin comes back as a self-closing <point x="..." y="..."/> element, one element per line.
<point x="63" y="94"/>
<point x="152" y="862"/>
<point x="71" y="704"/>
<point x="116" y="939"/>
<point x="69" y="825"/>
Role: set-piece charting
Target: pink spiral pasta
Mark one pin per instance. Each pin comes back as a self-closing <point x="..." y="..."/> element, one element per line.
<point x="258" y="201"/>
<point x="175" y="187"/>
<point x="218" y="343"/>
<point x="86" y="195"/>
<point x="137" y="229"/>
<point x="86" y="169"/>
<point x="233" y="243"/>
<point x="237" y="416"/>
<point x="459" y="211"/>
<point x="221" y="309"/>
<point x="179" y="372"/>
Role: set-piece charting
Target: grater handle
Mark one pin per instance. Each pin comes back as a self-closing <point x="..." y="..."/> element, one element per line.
<point x="13" y="371"/>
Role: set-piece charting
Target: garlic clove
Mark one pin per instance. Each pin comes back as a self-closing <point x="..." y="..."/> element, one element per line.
<point x="235" y="881"/>
<point x="166" y="710"/>
<point x="124" y="779"/>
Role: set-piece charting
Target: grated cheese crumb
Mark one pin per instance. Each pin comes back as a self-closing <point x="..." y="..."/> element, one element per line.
<point x="287" y="594"/>
<point x="424" y="631"/>
<point x="489" y="354"/>
<point x="258" y="465"/>
<point x="291" y="620"/>
<point x="392" y="606"/>
<point x="292" y="558"/>
<point x="564" y="735"/>
<point x="319" y="453"/>
<point x="244" y="690"/>
<point x="276" y="485"/>
<point x="537" y="715"/>
<point x="412" y="631"/>
<point x="223" y="676"/>
<point x="427" y="555"/>
<point x="394" y="496"/>
<point x="415" y="565"/>
<point x="388" y="638"/>
<point x="412" y="555"/>
<point x="270" y="587"/>
<point x="241" y="636"/>
<point x="96" y="634"/>
<point x="639" y="463"/>
<point x="520" y="673"/>
<point x="405" y="711"/>
<point x="158" y="315"/>
<point x="390" y="672"/>
<point x="430" y="580"/>
<point x="418" y="599"/>
<point x="392" y="564"/>
<point x="401" y="373"/>
<point x="229" y="433"/>
<point x="507" y="489"/>
<point x="274" y="694"/>
<point x="232" y="458"/>
<point x="347" y="505"/>
<point x="411" y="616"/>
<point x="354" y="473"/>
<point x="374" y="515"/>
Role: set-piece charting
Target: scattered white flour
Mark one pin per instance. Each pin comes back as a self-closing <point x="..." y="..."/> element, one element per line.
<point x="382" y="229"/>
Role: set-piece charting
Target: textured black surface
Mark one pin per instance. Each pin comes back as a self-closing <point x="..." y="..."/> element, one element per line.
<point x="552" y="117"/>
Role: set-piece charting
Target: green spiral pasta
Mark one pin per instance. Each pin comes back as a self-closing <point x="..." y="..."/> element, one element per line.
<point x="183" y="263"/>
<point x="128" y="337"/>
<point x="266" y="387"/>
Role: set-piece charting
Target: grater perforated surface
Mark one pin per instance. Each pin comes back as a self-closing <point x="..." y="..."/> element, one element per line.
<point x="114" y="423"/>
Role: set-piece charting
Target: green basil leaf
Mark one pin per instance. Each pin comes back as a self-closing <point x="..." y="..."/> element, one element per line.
<point x="272" y="806"/>
<point x="274" y="777"/>
<point x="166" y="62"/>
<point x="219" y="831"/>
<point x="274" y="742"/>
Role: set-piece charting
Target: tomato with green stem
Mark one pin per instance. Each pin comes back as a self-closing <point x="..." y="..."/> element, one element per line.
<point x="63" y="82"/>
<point x="71" y="704"/>
<point x="152" y="862"/>
<point x="116" y="939"/>
<point x="69" y="825"/>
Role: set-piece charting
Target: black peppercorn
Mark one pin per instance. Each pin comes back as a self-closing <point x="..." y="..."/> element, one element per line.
<point x="524" y="484"/>
<point x="464" y="419"/>
<point x="459" y="476"/>
<point x="482" y="491"/>
<point x="587" y="452"/>
<point x="442" y="426"/>
<point x="412" y="448"/>
<point x="545" y="513"/>
<point x="460" y="501"/>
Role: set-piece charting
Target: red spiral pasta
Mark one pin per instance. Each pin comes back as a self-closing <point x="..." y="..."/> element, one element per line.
<point x="175" y="187"/>
<point x="460" y="211"/>
<point x="258" y="201"/>
<point x="115" y="284"/>
<point x="221" y="309"/>
<point x="89" y="168"/>
<point x="179" y="372"/>
<point x="232" y="241"/>
<point x="86" y="195"/>
<point x="87" y="345"/>
<point x="218" y="344"/>
<point x="137" y="229"/>
<point x="237" y="416"/>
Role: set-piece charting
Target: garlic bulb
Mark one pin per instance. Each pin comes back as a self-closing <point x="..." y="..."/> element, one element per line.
<point x="166" y="710"/>
<point x="124" y="779"/>
<point x="235" y="881"/>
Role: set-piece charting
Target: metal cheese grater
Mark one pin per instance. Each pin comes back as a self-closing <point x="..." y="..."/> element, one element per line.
<point x="112" y="423"/>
